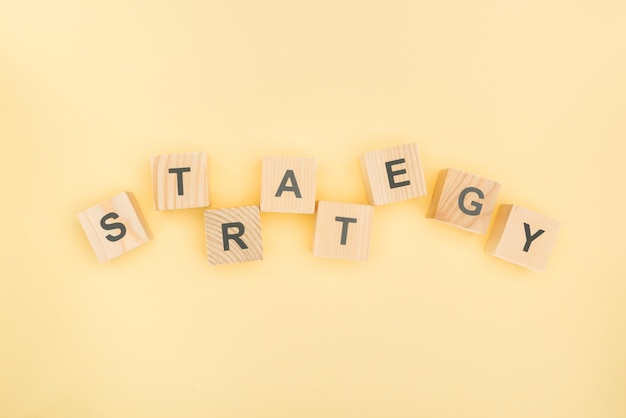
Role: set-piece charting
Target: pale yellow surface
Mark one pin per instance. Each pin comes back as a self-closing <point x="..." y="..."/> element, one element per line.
<point x="529" y="93"/>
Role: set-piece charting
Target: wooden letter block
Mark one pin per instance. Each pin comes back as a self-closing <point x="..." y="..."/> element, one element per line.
<point x="464" y="200"/>
<point x="393" y="174"/>
<point x="523" y="237"/>
<point x="179" y="181"/>
<point x="114" y="226"/>
<point x="288" y="184"/>
<point x="233" y="235"/>
<point x="343" y="230"/>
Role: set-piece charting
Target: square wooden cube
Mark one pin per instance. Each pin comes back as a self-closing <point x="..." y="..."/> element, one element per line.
<point x="523" y="237"/>
<point x="180" y="181"/>
<point x="464" y="200"/>
<point x="114" y="226"/>
<point x="393" y="174"/>
<point x="233" y="235"/>
<point x="288" y="184"/>
<point x="343" y="230"/>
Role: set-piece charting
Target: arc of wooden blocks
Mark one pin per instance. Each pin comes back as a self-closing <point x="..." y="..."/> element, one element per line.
<point x="342" y="230"/>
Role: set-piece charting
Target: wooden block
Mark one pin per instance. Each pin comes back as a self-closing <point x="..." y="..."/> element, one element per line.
<point x="343" y="230"/>
<point x="114" y="226"/>
<point x="180" y="181"/>
<point x="464" y="200"/>
<point x="288" y="184"/>
<point x="523" y="237"/>
<point x="233" y="235"/>
<point x="393" y="174"/>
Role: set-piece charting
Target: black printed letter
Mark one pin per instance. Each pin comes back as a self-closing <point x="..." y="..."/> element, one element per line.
<point x="477" y="206"/>
<point x="179" y="177"/>
<point x="226" y="237"/>
<point x="391" y="174"/>
<point x="530" y="238"/>
<point x="289" y="175"/>
<point x="114" y="225"/>
<point x="344" y="227"/>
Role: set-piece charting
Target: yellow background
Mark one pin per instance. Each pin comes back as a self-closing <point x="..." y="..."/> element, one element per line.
<point x="528" y="93"/>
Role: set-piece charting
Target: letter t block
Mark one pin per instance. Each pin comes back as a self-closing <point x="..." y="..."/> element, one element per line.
<point x="464" y="200"/>
<point x="233" y="235"/>
<point x="523" y="237"/>
<point x="179" y="181"/>
<point x="343" y="230"/>
<point x="393" y="174"/>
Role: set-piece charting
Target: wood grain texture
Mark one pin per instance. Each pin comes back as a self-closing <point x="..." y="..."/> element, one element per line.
<point x="121" y="208"/>
<point x="379" y="187"/>
<point x="509" y="237"/>
<point x="167" y="189"/>
<point x="447" y="199"/>
<point x="277" y="171"/>
<point x="329" y="231"/>
<point x="248" y="218"/>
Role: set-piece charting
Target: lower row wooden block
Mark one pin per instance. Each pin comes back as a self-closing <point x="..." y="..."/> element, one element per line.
<point x="523" y="237"/>
<point x="233" y="235"/>
<point x="114" y="226"/>
<point x="343" y="230"/>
